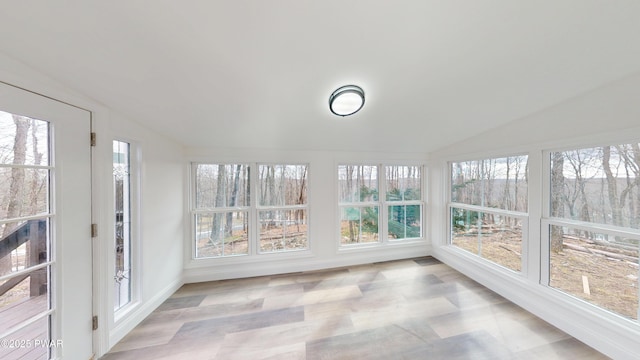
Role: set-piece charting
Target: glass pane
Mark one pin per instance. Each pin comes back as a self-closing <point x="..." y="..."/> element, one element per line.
<point x="23" y="141"/>
<point x="598" y="185"/>
<point x="122" y="202"/>
<point x="464" y="225"/>
<point x="283" y="230"/>
<point x="222" y="234"/>
<point x="496" y="238"/>
<point x="23" y="245"/>
<point x="358" y="225"/>
<point x="497" y="183"/>
<point x="405" y="221"/>
<point x="219" y="185"/>
<point x="599" y="268"/>
<point x="282" y="185"/>
<point x="24" y="297"/>
<point x="357" y="183"/>
<point x="30" y="342"/>
<point x="23" y="192"/>
<point x="403" y="183"/>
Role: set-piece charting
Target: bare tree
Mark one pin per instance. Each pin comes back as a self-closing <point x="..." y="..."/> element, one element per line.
<point x="349" y="186"/>
<point x="37" y="185"/>
<point x="220" y="201"/>
<point x="575" y="195"/>
<point x="301" y="197"/>
<point x="612" y="187"/>
<point x="557" y="203"/>
<point x="506" y="196"/>
<point x="630" y="154"/>
<point x="233" y="200"/>
<point x="16" y="189"/>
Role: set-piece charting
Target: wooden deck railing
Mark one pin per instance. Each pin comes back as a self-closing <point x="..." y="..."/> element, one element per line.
<point x="35" y="232"/>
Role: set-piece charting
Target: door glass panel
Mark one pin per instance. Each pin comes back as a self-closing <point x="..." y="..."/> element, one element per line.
<point x="27" y="190"/>
<point x="30" y="342"/>
<point x="32" y="140"/>
<point x="24" y="245"/>
<point x="25" y="261"/>
<point x="23" y="300"/>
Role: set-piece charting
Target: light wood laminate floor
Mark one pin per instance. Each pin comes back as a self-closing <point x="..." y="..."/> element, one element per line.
<point x="406" y="309"/>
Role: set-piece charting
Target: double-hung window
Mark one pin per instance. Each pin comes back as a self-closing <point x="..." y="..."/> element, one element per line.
<point x="282" y="207"/>
<point x="222" y="206"/>
<point x="368" y="218"/>
<point x="359" y="205"/>
<point x="488" y="208"/>
<point x="592" y="226"/>
<point x="239" y="211"/>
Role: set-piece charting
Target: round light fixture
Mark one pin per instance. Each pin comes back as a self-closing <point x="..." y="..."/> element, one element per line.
<point x="346" y="100"/>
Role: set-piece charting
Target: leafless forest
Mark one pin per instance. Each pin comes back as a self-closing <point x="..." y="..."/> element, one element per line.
<point x="223" y="197"/>
<point x="23" y="193"/>
<point x="588" y="187"/>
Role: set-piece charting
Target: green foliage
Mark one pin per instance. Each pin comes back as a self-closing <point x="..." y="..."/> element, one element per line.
<point x="455" y="187"/>
<point x="370" y="219"/>
<point x="367" y="194"/>
<point x="412" y="194"/>
<point x="409" y="194"/>
<point x="463" y="218"/>
<point x="404" y="217"/>
<point x="360" y="219"/>
<point x="404" y="220"/>
<point x="352" y="214"/>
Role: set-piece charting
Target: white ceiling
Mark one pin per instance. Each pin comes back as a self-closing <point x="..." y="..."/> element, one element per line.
<point x="238" y="73"/>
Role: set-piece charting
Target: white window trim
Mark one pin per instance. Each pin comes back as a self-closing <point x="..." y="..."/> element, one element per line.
<point x="135" y="178"/>
<point x="258" y="208"/>
<point x="525" y="217"/>
<point x="615" y="334"/>
<point x="546" y="221"/>
<point x="252" y="210"/>
<point x="383" y="207"/>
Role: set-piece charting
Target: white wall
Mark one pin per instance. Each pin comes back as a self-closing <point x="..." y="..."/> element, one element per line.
<point x="599" y="115"/>
<point x="323" y="217"/>
<point x="161" y="204"/>
<point x="160" y="215"/>
<point x="608" y="115"/>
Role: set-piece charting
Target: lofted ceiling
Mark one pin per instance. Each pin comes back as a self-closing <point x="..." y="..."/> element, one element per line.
<point x="258" y="74"/>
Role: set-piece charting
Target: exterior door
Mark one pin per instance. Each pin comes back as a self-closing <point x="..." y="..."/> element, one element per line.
<point x="45" y="228"/>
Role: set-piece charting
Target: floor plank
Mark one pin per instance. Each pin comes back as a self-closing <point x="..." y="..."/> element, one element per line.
<point x="405" y="309"/>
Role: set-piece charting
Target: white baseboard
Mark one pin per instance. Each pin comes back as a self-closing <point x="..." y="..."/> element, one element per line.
<point x="608" y="333"/>
<point x="241" y="269"/>
<point x="140" y="312"/>
<point x="230" y="270"/>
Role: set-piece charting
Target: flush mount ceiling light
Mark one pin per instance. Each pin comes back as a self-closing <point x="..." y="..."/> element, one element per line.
<point x="346" y="100"/>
